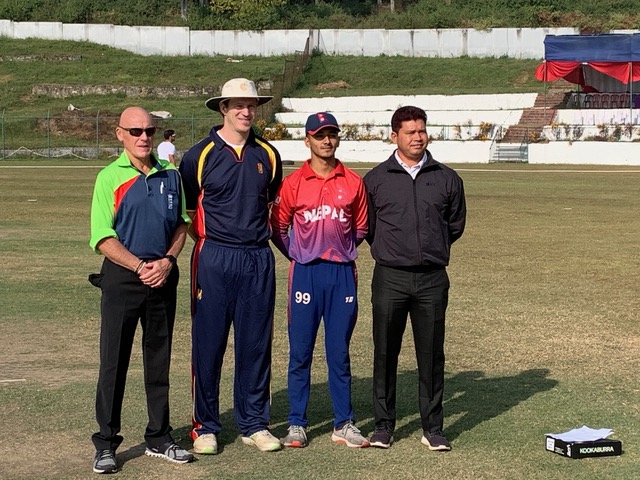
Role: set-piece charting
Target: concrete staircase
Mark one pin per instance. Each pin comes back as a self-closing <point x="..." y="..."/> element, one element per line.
<point x="530" y="125"/>
<point x="533" y="119"/>
<point x="513" y="147"/>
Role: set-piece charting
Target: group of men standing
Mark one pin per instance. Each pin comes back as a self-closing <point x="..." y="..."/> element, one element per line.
<point x="229" y="187"/>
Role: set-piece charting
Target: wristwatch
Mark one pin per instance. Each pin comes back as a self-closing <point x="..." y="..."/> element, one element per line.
<point x="172" y="259"/>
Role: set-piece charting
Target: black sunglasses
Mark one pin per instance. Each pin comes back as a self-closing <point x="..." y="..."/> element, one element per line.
<point x="137" y="132"/>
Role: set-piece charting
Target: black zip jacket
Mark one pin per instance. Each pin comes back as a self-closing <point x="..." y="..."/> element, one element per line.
<point x="413" y="223"/>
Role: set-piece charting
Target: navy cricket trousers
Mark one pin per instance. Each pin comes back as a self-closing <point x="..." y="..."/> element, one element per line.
<point x="321" y="290"/>
<point x="232" y="285"/>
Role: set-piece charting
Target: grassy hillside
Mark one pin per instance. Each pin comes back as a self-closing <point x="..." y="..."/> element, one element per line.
<point x="25" y="63"/>
<point x="417" y="76"/>
<point x="36" y="121"/>
<point x="29" y="62"/>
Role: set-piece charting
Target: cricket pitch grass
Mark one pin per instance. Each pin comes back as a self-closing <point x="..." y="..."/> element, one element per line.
<point x="543" y="335"/>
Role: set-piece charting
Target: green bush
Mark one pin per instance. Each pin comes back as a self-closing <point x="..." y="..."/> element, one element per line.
<point x="18" y="11"/>
<point x="590" y="16"/>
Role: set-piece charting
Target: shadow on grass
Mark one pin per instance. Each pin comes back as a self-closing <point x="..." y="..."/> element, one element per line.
<point x="478" y="398"/>
<point x="180" y="435"/>
<point x="470" y="396"/>
<point x="129" y="454"/>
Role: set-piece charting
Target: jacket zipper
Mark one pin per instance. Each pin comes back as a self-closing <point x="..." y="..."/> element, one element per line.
<point x="417" y="217"/>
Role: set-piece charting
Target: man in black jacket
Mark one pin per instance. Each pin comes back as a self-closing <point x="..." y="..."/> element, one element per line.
<point x="416" y="211"/>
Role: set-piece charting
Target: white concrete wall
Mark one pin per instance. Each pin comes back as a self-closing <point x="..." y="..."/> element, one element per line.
<point x="389" y="103"/>
<point x="576" y="153"/>
<point x="378" y="151"/>
<point x="383" y="132"/>
<point x="236" y="43"/>
<point x="626" y="133"/>
<point x="180" y="41"/>
<point x="48" y="30"/>
<point x="598" y="116"/>
<point x="511" y="42"/>
<point x="446" y="111"/>
<point x="473" y="117"/>
<point x="585" y="153"/>
<point x="455" y="144"/>
<point x="101" y="34"/>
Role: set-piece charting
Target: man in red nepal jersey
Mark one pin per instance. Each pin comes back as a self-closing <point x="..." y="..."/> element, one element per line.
<point x="318" y="219"/>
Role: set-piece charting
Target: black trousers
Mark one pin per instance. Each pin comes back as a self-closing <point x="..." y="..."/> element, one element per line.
<point x="125" y="301"/>
<point x="422" y="294"/>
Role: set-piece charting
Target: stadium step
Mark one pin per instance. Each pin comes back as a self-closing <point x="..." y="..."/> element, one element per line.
<point x="529" y="128"/>
<point x="510" y="152"/>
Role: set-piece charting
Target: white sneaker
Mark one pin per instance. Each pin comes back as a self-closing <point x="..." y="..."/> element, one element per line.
<point x="263" y="440"/>
<point x="206" y="444"/>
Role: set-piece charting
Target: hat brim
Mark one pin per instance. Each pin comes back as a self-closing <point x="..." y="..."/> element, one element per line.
<point x="214" y="103"/>
<point x="329" y="125"/>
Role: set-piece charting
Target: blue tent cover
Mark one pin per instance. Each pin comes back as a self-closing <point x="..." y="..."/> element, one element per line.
<point x="593" y="48"/>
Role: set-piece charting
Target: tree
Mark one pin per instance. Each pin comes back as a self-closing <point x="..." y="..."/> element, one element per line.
<point x="251" y="14"/>
<point x="184" y="6"/>
<point x="392" y="4"/>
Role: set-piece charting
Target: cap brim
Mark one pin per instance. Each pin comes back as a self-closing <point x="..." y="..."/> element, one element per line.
<point x="313" y="132"/>
<point x="214" y="103"/>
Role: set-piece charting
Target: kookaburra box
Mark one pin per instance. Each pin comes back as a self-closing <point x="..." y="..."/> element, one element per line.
<point x="593" y="448"/>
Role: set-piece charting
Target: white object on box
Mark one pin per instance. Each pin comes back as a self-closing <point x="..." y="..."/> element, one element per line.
<point x="582" y="434"/>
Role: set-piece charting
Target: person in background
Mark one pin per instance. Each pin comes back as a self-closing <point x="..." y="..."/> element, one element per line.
<point x="318" y="220"/>
<point x="166" y="149"/>
<point x="139" y="223"/>
<point x="230" y="179"/>
<point x="417" y="210"/>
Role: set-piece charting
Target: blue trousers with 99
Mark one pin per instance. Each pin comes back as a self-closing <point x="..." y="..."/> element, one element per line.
<point x="321" y="290"/>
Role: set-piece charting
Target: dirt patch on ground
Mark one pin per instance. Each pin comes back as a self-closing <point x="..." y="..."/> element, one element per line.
<point x="40" y="58"/>
<point x="5" y="78"/>
<point x="79" y="124"/>
<point x="339" y="85"/>
<point x="50" y="356"/>
<point x="522" y="79"/>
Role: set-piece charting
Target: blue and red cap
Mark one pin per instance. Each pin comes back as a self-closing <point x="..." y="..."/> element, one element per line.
<point x="318" y="121"/>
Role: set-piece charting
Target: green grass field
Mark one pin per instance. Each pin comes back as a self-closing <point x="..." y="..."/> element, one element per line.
<point x="542" y="336"/>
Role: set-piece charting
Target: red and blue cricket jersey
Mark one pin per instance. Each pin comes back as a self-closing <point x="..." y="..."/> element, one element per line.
<point x="315" y="218"/>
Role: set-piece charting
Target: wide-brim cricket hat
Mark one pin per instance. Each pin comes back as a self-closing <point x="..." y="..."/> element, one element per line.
<point x="236" y="88"/>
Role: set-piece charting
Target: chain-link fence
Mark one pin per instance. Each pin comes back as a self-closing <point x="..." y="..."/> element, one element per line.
<point x="77" y="134"/>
